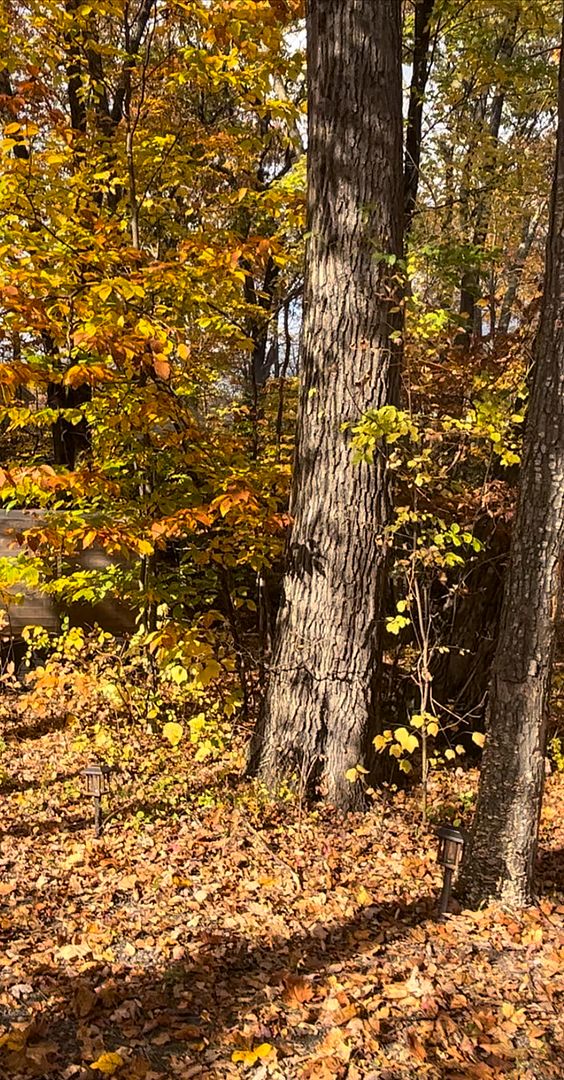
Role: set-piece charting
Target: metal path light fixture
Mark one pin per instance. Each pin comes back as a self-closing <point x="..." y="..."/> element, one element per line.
<point x="451" y="846"/>
<point x="97" y="784"/>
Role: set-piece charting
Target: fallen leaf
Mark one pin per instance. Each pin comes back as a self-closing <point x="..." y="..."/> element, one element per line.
<point x="84" y="1001"/>
<point x="298" y="991"/>
<point x="250" y="1057"/>
<point x="396" y="991"/>
<point x="108" y="1063"/>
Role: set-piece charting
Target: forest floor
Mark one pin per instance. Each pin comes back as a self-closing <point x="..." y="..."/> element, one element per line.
<point x="210" y="933"/>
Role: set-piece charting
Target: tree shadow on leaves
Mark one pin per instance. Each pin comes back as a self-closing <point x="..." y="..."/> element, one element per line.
<point x="11" y="784"/>
<point x="550" y="871"/>
<point x="186" y="793"/>
<point x="36" y="728"/>
<point x="223" y="980"/>
<point x="46" y="826"/>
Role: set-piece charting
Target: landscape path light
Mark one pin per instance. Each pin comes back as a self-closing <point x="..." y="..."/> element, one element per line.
<point x="96" y="778"/>
<point x="451" y="846"/>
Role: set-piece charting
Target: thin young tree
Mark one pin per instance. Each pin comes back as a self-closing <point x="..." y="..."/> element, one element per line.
<point x="320" y="703"/>
<point x="421" y="67"/>
<point x="501" y="856"/>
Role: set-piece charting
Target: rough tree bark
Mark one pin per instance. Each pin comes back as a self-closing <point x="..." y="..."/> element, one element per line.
<point x="501" y="856"/>
<point x="319" y="706"/>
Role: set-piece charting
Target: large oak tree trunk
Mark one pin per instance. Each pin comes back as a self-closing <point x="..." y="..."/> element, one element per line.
<point x="319" y="706"/>
<point x="501" y="856"/>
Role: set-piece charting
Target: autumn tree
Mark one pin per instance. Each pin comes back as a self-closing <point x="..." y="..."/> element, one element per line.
<point x="153" y="239"/>
<point x="152" y="230"/>
<point x="321" y="700"/>
<point x="501" y="857"/>
<point x="481" y="219"/>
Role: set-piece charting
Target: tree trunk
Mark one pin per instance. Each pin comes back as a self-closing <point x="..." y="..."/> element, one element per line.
<point x="501" y="855"/>
<point x="419" y="77"/>
<point x="319" y="709"/>
<point x="461" y="676"/>
<point x="528" y="236"/>
<point x="470" y="286"/>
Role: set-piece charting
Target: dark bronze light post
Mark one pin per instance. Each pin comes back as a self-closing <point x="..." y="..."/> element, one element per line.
<point x="451" y="846"/>
<point x="97" y="784"/>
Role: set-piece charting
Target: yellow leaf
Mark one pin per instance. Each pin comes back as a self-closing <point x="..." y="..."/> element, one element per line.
<point x="209" y="672"/>
<point x="183" y="352"/>
<point x="432" y="728"/>
<point x="173" y="732"/>
<point x="406" y="739"/>
<point x="250" y="1057"/>
<point x="351" y="775"/>
<point x="363" y="897"/>
<point x="246" y="1057"/>
<point x="380" y="742"/>
<point x="225" y="505"/>
<point x="145" y="328"/>
<point x="108" y="1063"/>
<point x="478" y="738"/>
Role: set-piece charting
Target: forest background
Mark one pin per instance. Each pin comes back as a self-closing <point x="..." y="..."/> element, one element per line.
<point x="152" y="237"/>
<point x="152" y="248"/>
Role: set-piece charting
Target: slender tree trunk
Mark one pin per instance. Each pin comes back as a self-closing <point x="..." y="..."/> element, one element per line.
<point x="261" y="296"/>
<point x="282" y="380"/>
<point x="419" y="77"/>
<point x="528" y="235"/>
<point x="461" y="676"/>
<point x="470" y="286"/>
<point x="501" y="855"/>
<point x="320" y="705"/>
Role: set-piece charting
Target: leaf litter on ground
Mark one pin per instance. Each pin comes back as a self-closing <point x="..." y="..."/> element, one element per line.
<point x="210" y="932"/>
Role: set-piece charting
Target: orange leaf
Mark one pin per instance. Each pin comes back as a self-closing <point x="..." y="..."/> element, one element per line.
<point x="298" y="991"/>
<point x="162" y="368"/>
